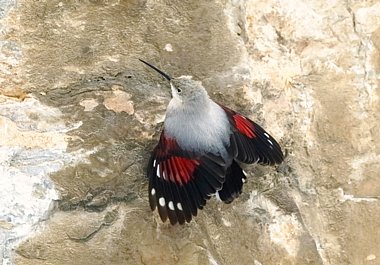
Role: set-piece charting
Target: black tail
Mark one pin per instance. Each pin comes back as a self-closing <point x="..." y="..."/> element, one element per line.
<point x="233" y="185"/>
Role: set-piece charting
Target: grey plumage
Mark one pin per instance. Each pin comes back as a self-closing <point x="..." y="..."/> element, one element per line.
<point x="194" y="120"/>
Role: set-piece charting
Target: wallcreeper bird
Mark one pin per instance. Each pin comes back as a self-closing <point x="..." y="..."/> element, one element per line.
<point x="198" y="152"/>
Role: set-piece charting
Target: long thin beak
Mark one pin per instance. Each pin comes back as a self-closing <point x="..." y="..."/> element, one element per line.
<point x="158" y="70"/>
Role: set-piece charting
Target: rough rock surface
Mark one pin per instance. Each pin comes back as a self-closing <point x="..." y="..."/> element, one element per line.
<point x="79" y="115"/>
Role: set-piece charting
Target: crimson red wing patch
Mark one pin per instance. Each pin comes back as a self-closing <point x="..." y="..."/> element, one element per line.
<point x="244" y="126"/>
<point x="251" y="142"/>
<point x="180" y="182"/>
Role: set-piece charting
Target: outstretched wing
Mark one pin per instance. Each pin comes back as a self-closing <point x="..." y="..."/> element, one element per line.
<point x="180" y="182"/>
<point x="251" y="142"/>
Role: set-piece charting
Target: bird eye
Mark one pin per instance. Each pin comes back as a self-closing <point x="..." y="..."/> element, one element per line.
<point x="179" y="90"/>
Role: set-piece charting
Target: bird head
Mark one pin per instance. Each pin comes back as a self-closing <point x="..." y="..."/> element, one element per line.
<point x="184" y="89"/>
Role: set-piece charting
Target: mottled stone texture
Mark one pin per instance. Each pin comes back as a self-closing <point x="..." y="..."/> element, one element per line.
<point x="79" y="115"/>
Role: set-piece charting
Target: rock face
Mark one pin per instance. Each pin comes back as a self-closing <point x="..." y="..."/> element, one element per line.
<point x="79" y="115"/>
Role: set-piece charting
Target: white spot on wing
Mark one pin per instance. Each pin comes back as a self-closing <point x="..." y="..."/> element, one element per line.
<point x="217" y="196"/>
<point x="267" y="135"/>
<point x="171" y="205"/>
<point x="158" y="171"/>
<point x="153" y="192"/>
<point x="270" y="141"/>
<point x="161" y="201"/>
<point x="179" y="206"/>
<point x="154" y="162"/>
<point x="243" y="179"/>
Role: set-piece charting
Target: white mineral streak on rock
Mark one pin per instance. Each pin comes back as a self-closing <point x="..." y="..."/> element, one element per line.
<point x="349" y="197"/>
<point x="32" y="145"/>
<point x="212" y="260"/>
<point x="359" y="163"/>
<point x="89" y="104"/>
<point x="168" y="47"/>
<point x="368" y="19"/>
<point x="284" y="229"/>
<point x="371" y="257"/>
